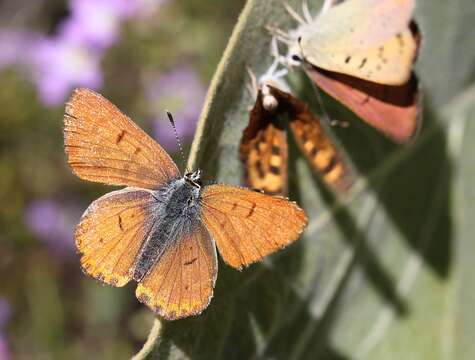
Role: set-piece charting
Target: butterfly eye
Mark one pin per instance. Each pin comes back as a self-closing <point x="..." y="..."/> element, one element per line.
<point x="296" y="58"/>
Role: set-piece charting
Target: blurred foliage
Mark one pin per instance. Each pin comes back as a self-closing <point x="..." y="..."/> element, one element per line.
<point x="57" y="312"/>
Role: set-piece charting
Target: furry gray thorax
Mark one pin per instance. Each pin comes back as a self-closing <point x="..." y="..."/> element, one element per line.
<point x="177" y="214"/>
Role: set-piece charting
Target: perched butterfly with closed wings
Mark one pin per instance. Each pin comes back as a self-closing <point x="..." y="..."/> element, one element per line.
<point x="361" y="52"/>
<point x="162" y="228"/>
<point x="264" y="149"/>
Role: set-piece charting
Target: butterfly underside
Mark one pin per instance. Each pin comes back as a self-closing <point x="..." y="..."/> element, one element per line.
<point x="395" y="110"/>
<point x="320" y="149"/>
<point x="368" y="39"/>
<point x="138" y="233"/>
<point x="264" y="151"/>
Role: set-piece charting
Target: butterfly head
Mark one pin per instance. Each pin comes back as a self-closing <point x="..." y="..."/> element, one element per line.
<point x="194" y="178"/>
<point x="294" y="54"/>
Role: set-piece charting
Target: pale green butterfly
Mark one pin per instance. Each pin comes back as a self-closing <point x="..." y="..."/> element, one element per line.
<point x="368" y="39"/>
<point x="361" y="52"/>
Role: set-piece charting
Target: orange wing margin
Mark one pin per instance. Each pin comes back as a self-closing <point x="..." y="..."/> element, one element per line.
<point x="181" y="282"/>
<point x="249" y="225"/>
<point x="111" y="232"/>
<point x="104" y="145"/>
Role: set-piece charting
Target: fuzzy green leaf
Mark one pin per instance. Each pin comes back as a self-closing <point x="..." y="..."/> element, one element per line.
<point x="384" y="273"/>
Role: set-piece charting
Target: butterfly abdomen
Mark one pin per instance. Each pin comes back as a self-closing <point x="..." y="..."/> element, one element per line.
<point x="178" y="213"/>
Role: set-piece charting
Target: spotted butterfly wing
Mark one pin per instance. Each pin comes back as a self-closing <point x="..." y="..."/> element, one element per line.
<point x="104" y="145"/>
<point x="263" y="151"/>
<point x="111" y="233"/>
<point x="181" y="284"/>
<point x="321" y="151"/>
<point x="248" y="225"/>
<point x="367" y="39"/>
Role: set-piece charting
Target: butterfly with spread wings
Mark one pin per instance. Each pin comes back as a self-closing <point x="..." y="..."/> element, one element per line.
<point x="162" y="229"/>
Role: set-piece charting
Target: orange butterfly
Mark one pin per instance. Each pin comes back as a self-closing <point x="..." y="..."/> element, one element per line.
<point x="263" y="148"/>
<point x="161" y="230"/>
<point x="361" y="52"/>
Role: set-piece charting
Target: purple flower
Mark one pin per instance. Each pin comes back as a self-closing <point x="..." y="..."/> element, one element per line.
<point x="53" y="223"/>
<point x="181" y="92"/>
<point x="97" y="22"/>
<point x="5" y="314"/>
<point x="58" y="65"/>
<point x="4" y="349"/>
<point x="15" y="47"/>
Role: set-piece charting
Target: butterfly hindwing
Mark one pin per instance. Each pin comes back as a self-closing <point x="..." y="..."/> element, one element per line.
<point x="182" y="280"/>
<point x="393" y="110"/>
<point x="263" y="151"/>
<point x="248" y="225"/>
<point x="111" y="232"/>
<point x="104" y="145"/>
<point x="320" y="149"/>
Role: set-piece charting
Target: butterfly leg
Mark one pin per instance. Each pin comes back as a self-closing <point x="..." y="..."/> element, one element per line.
<point x="294" y="14"/>
<point x="326" y="6"/>
<point x="252" y="87"/>
<point x="306" y="12"/>
<point x="281" y="35"/>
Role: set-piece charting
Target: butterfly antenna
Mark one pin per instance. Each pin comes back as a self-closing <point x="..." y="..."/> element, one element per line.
<point x="326" y="117"/>
<point x="172" y="121"/>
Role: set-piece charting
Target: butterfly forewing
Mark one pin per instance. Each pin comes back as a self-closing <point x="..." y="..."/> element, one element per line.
<point x="359" y="24"/>
<point x="111" y="232"/>
<point x="249" y="225"/>
<point x="389" y="63"/>
<point x="181" y="282"/>
<point x="104" y="145"/>
<point x="263" y="151"/>
<point x="368" y="39"/>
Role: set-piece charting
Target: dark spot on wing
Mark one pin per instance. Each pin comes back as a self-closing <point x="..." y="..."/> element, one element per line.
<point x="347" y="60"/>
<point x="363" y="63"/>
<point x="275" y="150"/>
<point x="251" y="211"/>
<point x="137" y="150"/>
<point x="330" y="165"/>
<point x="259" y="168"/>
<point x="120" y="136"/>
<point x="190" y="262"/>
<point x="120" y="223"/>
<point x="274" y="170"/>
<point x="234" y="206"/>
<point x="313" y="152"/>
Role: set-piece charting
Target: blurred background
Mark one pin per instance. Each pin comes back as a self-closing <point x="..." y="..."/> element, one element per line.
<point x="145" y="56"/>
